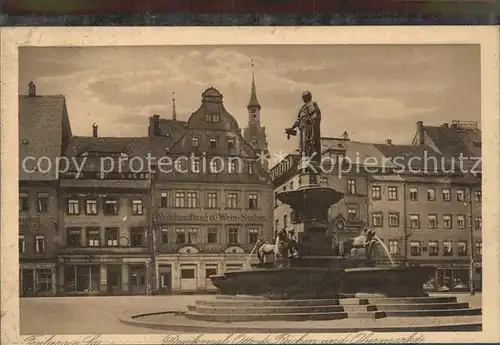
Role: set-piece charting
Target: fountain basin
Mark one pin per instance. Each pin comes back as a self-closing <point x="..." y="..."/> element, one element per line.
<point x="387" y="281"/>
<point x="281" y="283"/>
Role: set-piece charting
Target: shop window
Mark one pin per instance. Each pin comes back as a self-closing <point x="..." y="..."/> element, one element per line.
<point x="82" y="278"/>
<point x="210" y="271"/>
<point x="43" y="202"/>
<point x="43" y="279"/>
<point x="188" y="273"/>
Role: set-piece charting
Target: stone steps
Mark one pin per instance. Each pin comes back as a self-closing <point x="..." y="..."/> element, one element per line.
<point x="267" y="303"/>
<point x="269" y="310"/>
<point x="410" y="300"/>
<point x="353" y="301"/>
<point x="359" y="308"/>
<point x="437" y="312"/>
<point x="422" y="306"/>
<point x="366" y="314"/>
<point x="193" y="315"/>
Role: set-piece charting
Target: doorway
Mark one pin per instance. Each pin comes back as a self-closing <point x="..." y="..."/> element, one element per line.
<point x="28" y="288"/>
<point x="165" y="275"/>
<point x="138" y="281"/>
<point x="114" y="279"/>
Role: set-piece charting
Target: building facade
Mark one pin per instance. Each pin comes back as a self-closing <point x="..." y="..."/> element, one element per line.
<point x="211" y="204"/>
<point x="38" y="186"/>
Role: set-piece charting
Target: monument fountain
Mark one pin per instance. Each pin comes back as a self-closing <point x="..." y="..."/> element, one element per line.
<point x="300" y="277"/>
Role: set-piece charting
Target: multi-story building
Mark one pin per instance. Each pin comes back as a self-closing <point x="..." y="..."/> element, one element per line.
<point x="38" y="185"/>
<point x="105" y="244"/>
<point x="212" y="199"/>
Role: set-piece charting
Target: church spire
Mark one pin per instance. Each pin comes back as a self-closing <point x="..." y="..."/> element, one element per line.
<point x="254" y="103"/>
<point x="174" y="114"/>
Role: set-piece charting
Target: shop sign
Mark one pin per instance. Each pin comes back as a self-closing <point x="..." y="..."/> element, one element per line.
<point x="211" y="217"/>
<point x="93" y="259"/>
<point x="104" y="276"/>
<point x="36" y="266"/>
<point x="452" y="265"/>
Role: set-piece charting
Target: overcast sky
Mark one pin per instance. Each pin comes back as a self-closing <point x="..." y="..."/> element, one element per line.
<point x="372" y="92"/>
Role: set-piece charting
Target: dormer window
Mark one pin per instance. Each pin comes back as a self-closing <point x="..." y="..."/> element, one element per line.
<point x="255" y="144"/>
<point x="213" y="142"/>
<point x="195" y="142"/>
<point x="213" y="117"/>
<point x="230" y="143"/>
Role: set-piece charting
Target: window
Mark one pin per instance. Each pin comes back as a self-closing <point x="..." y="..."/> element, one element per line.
<point x="393" y="193"/>
<point x="351" y="187"/>
<point x="73" y="207"/>
<point x="446" y="192"/>
<point x="447" y="221"/>
<point x="195" y="142"/>
<point x="180" y="236"/>
<point x="192" y="199"/>
<point x="323" y="181"/>
<point x="188" y="273"/>
<point x="376" y="193"/>
<point x="251" y="168"/>
<point x="73" y="237"/>
<point x="285" y="221"/>
<point x="178" y="165"/>
<point x="212" y="201"/>
<point x="213" y="117"/>
<point x="462" y="248"/>
<point x="413" y="193"/>
<point x="433" y="248"/>
<point x="479" y="196"/>
<point x="253" y="235"/>
<point x="180" y="199"/>
<point x="352" y="214"/>
<point x="23" y="202"/>
<point x="137" y="207"/>
<point x="479" y="248"/>
<point x="431" y="194"/>
<point x="93" y="237"/>
<point x="393" y="247"/>
<point x="415" y="249"/>
<point x="111" y="235"/>
<point x="432" y="221"/>
<point x="291" y="185"/>
<point x="212" y="236"/>
<point x="461" y="221"/>
<point x="447" y="248"/>
<point x="164" y="200"/>
<point x="377" y="219"/>
<point x="232" y="200"/>
<point x="232" y="167"/>
<point x="110" y="207"/>
<point x="138" y="237"/>
<point x="43" y="202"/>
<point x="195" y="166"/>
<point x="299" y="181"/>
<point x="233" y="235"/>
<point x="91" y="207"/>
<point x="213" y="142"/>
<point x="22" y="244"/>
<point x="192" y="236"/>
<point x="43" y="280"/>
<point x="215" y="166"/>
<point x="460" y="194"/>
<point x="164" y="235"/>
<point x="230" y="143"/>
<point x="478" y="223"/>
<point x="210" y="271"/>
<point x="253" y="200"/>
<point x="393" y="219"/>
<point x="414" y="221"/>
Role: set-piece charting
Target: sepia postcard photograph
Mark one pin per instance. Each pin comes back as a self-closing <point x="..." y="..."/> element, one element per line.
<point x="249" y="185"/>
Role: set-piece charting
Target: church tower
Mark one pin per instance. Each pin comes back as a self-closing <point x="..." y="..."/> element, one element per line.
<point x="255" y="134"/>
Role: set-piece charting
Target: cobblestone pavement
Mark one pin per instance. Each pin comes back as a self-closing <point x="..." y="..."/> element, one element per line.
<point x="84" y="315"/>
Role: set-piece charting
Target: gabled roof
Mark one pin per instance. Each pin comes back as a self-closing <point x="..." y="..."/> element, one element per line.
<point x="455" y="141"/>
<point x="358" y="153"/>
<point x="35" y="113"/>
<point x="172" y="128"/>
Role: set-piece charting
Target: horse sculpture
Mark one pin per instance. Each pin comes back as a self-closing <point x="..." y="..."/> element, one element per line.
<point x="284" y="247"/>
<point x="366" y="240"/>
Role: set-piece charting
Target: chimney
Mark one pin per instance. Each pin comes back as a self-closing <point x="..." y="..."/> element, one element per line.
<point x="32" y="89"/>
<point x="94" y="130"/>
<point x="156" y="125"/>
<point x="345" y="136"/>
<point x="420" y="133"/>
<point x="388" y="141"/>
